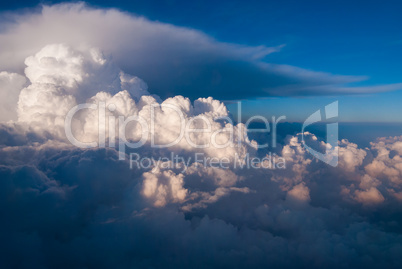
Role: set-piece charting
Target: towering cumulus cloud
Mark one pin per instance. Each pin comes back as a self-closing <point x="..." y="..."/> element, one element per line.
<point x="69" y="206"/>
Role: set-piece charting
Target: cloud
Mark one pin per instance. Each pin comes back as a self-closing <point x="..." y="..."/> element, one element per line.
<point x="172" y="60"/>
<point x="299" y="194"/>
<point x="370" y="196"/>
<point x="164" y="185"/>
<point x="10" y="85"/>
<point x="61" y="77"/>
<point x="69" y="207"/>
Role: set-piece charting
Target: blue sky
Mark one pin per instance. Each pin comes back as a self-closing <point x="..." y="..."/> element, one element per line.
<point x="356" y="38"/>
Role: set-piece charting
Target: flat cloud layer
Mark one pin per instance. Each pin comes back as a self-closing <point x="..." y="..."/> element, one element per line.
<point x="173" y="60"/>
<point x="68" y="207"/>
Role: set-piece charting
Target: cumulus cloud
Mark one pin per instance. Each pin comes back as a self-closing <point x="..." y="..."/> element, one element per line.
<point x="10" y="85"/>
<point x="173" y="60"/>
<point x="370" y="196"/>
<point x="69" y="207"/>
<point x="162" y="186"/>
<point x="299" y="193"/>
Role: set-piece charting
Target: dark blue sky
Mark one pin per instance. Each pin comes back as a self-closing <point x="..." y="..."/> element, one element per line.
<point x="361" y="38"/>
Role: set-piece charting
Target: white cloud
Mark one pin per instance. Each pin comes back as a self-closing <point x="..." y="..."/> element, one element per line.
<point x="164" y="187"/>
<point x="10" y="87"/>
<point x="172" y="60"/>
<point x="85" y="208"/>
<point x="299" y="194"/>
<point x="369" y="197"/>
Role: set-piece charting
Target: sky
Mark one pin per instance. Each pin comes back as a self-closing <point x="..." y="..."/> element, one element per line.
<point x="340" y="37"/>
<point x="121" y="146"/>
